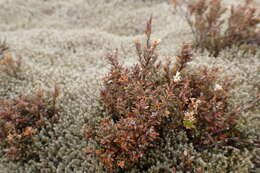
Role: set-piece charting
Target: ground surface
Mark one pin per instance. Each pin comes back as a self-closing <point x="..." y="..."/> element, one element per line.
<point x="65" y="42"/>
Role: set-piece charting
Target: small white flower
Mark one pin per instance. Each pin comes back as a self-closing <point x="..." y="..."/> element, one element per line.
<point x="189" y="114"/>
<point x="198" y="101"/>
<point x="177" y="77"/>
<point x="154" y="115"/>
<point x="185" y="153"/>
<point x="132" y="122"/>
<point x="218" y="87"/>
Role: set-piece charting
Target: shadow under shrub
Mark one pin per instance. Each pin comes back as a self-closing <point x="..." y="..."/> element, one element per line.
<point x="143" y="104"/>
<point x="21" y="119"/>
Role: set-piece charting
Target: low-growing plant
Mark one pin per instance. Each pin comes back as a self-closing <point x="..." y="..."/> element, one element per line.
<point x="8" y="63"/>
<point x="3" y="47"/>
<point x="21" y="119"/>
<point x="141" y="103"/>
<point x="212" y="31"/>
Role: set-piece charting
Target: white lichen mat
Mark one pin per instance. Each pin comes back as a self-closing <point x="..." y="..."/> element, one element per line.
<point x="65" y="42"/>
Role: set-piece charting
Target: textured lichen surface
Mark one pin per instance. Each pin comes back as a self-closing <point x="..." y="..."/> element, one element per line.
<point x="65" y="42"/>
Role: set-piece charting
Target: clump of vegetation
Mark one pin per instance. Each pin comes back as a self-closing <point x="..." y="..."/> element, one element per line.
<point x="141" y="103"/>
<point x="3" y="47"/>
<point x="8" y="63"/>
<point x="214" y="33"/>
<point x="21" y="119"/>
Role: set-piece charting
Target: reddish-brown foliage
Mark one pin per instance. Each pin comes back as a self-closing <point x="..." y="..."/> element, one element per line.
<point x="8" y="63"/>
<point x="141" y="102"/>
<point x="21" y="119"/>
<point x="205" y="17"/>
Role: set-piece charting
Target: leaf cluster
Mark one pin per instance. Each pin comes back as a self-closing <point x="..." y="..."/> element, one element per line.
<point x="140" y="103"/>
<point x="21" y="119"/>
<point x="214" y="33"/>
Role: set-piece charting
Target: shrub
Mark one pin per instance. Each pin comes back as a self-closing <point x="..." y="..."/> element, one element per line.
<point x="205" y="18"/>
<point x="141" y="103"/>
<point x="8" y="63"/>
<point x="3" y="47"/>
<point x="21" y="119"/>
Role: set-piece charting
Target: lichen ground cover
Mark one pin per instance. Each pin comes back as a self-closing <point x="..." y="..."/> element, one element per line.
<point x="65" y="42"/>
